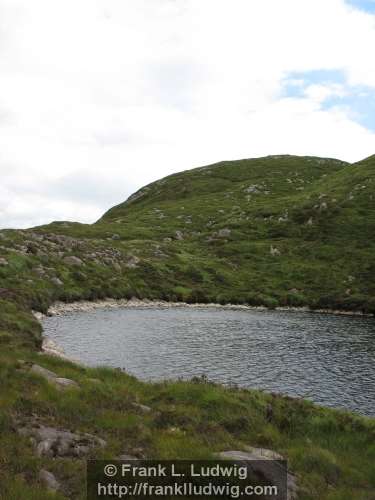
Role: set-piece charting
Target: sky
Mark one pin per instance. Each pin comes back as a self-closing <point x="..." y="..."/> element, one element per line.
<point x="100" y="97"/>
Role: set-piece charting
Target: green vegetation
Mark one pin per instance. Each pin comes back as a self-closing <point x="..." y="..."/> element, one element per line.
<point x="274" y="231"/>
<point x="331" y="452"/>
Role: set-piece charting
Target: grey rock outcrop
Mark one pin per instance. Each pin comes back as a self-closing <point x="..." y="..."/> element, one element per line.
<point x="56" y="443"/>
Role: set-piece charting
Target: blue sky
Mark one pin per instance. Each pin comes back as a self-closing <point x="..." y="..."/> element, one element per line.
<point x="366" y="5"/>
<point x="357" y="101"/>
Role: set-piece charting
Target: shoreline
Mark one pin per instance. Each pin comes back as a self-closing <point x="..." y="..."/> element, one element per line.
<point x="59" y="308"/>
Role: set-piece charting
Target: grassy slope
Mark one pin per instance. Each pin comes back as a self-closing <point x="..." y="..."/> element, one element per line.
<point x="328" y="263"/>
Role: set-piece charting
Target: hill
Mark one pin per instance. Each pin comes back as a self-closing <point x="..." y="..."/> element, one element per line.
<point x="272" y="231"/>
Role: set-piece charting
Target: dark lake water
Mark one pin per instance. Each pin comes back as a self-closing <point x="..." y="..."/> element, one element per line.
<point x="328" y="359"/>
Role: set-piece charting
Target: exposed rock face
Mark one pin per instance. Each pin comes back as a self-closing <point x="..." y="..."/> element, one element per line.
<point x="3" y="262"/>
<point x="268" y="465"/>
<point x="56" y="443"/>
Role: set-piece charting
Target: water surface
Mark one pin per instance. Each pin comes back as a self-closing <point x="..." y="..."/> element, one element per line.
<point x="328" y="359"/>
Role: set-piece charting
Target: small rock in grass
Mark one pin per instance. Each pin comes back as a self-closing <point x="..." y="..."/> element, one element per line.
<point x="224" y="233"/>
<point x="125" y="457"/>
<point x="274" y="251"/>
<point x="73" y="260"/>
<point x="49" y="480"/>
<point x="56" y="281"/>
<point x="51" y="377"/>
<point x="142" y="408"/>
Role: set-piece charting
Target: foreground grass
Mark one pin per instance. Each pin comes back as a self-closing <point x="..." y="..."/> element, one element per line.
<point x="332" y="452"/>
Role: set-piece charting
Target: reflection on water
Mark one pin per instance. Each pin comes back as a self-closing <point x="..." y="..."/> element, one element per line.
<point x="329" y="359"/>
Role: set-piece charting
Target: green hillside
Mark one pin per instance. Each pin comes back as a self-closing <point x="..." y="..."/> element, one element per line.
<point x="274" y="231"/>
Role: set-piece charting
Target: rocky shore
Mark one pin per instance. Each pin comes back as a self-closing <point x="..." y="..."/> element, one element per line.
<point x="59" y="308"/>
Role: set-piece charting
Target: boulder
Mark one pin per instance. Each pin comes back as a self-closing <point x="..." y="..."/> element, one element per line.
<point x="266" y="464"/>
<point x="72" y="260"/>
<point x="56" y="281"/>
<point x="3" y="262"/>
<point x="65" y="383"/>
<point x="43" y="372"/>
<point x="142" y="408"/>
<point x="52" y="378"/>
<point x="116" y="266"/>
<point x="49" y="480"/>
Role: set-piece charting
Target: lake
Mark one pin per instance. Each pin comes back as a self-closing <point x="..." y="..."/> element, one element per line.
<point x="326" y="358"/>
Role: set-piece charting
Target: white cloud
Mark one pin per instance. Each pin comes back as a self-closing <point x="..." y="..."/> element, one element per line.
<point x="321" y="92"/>
<point x="98" y="97"/>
